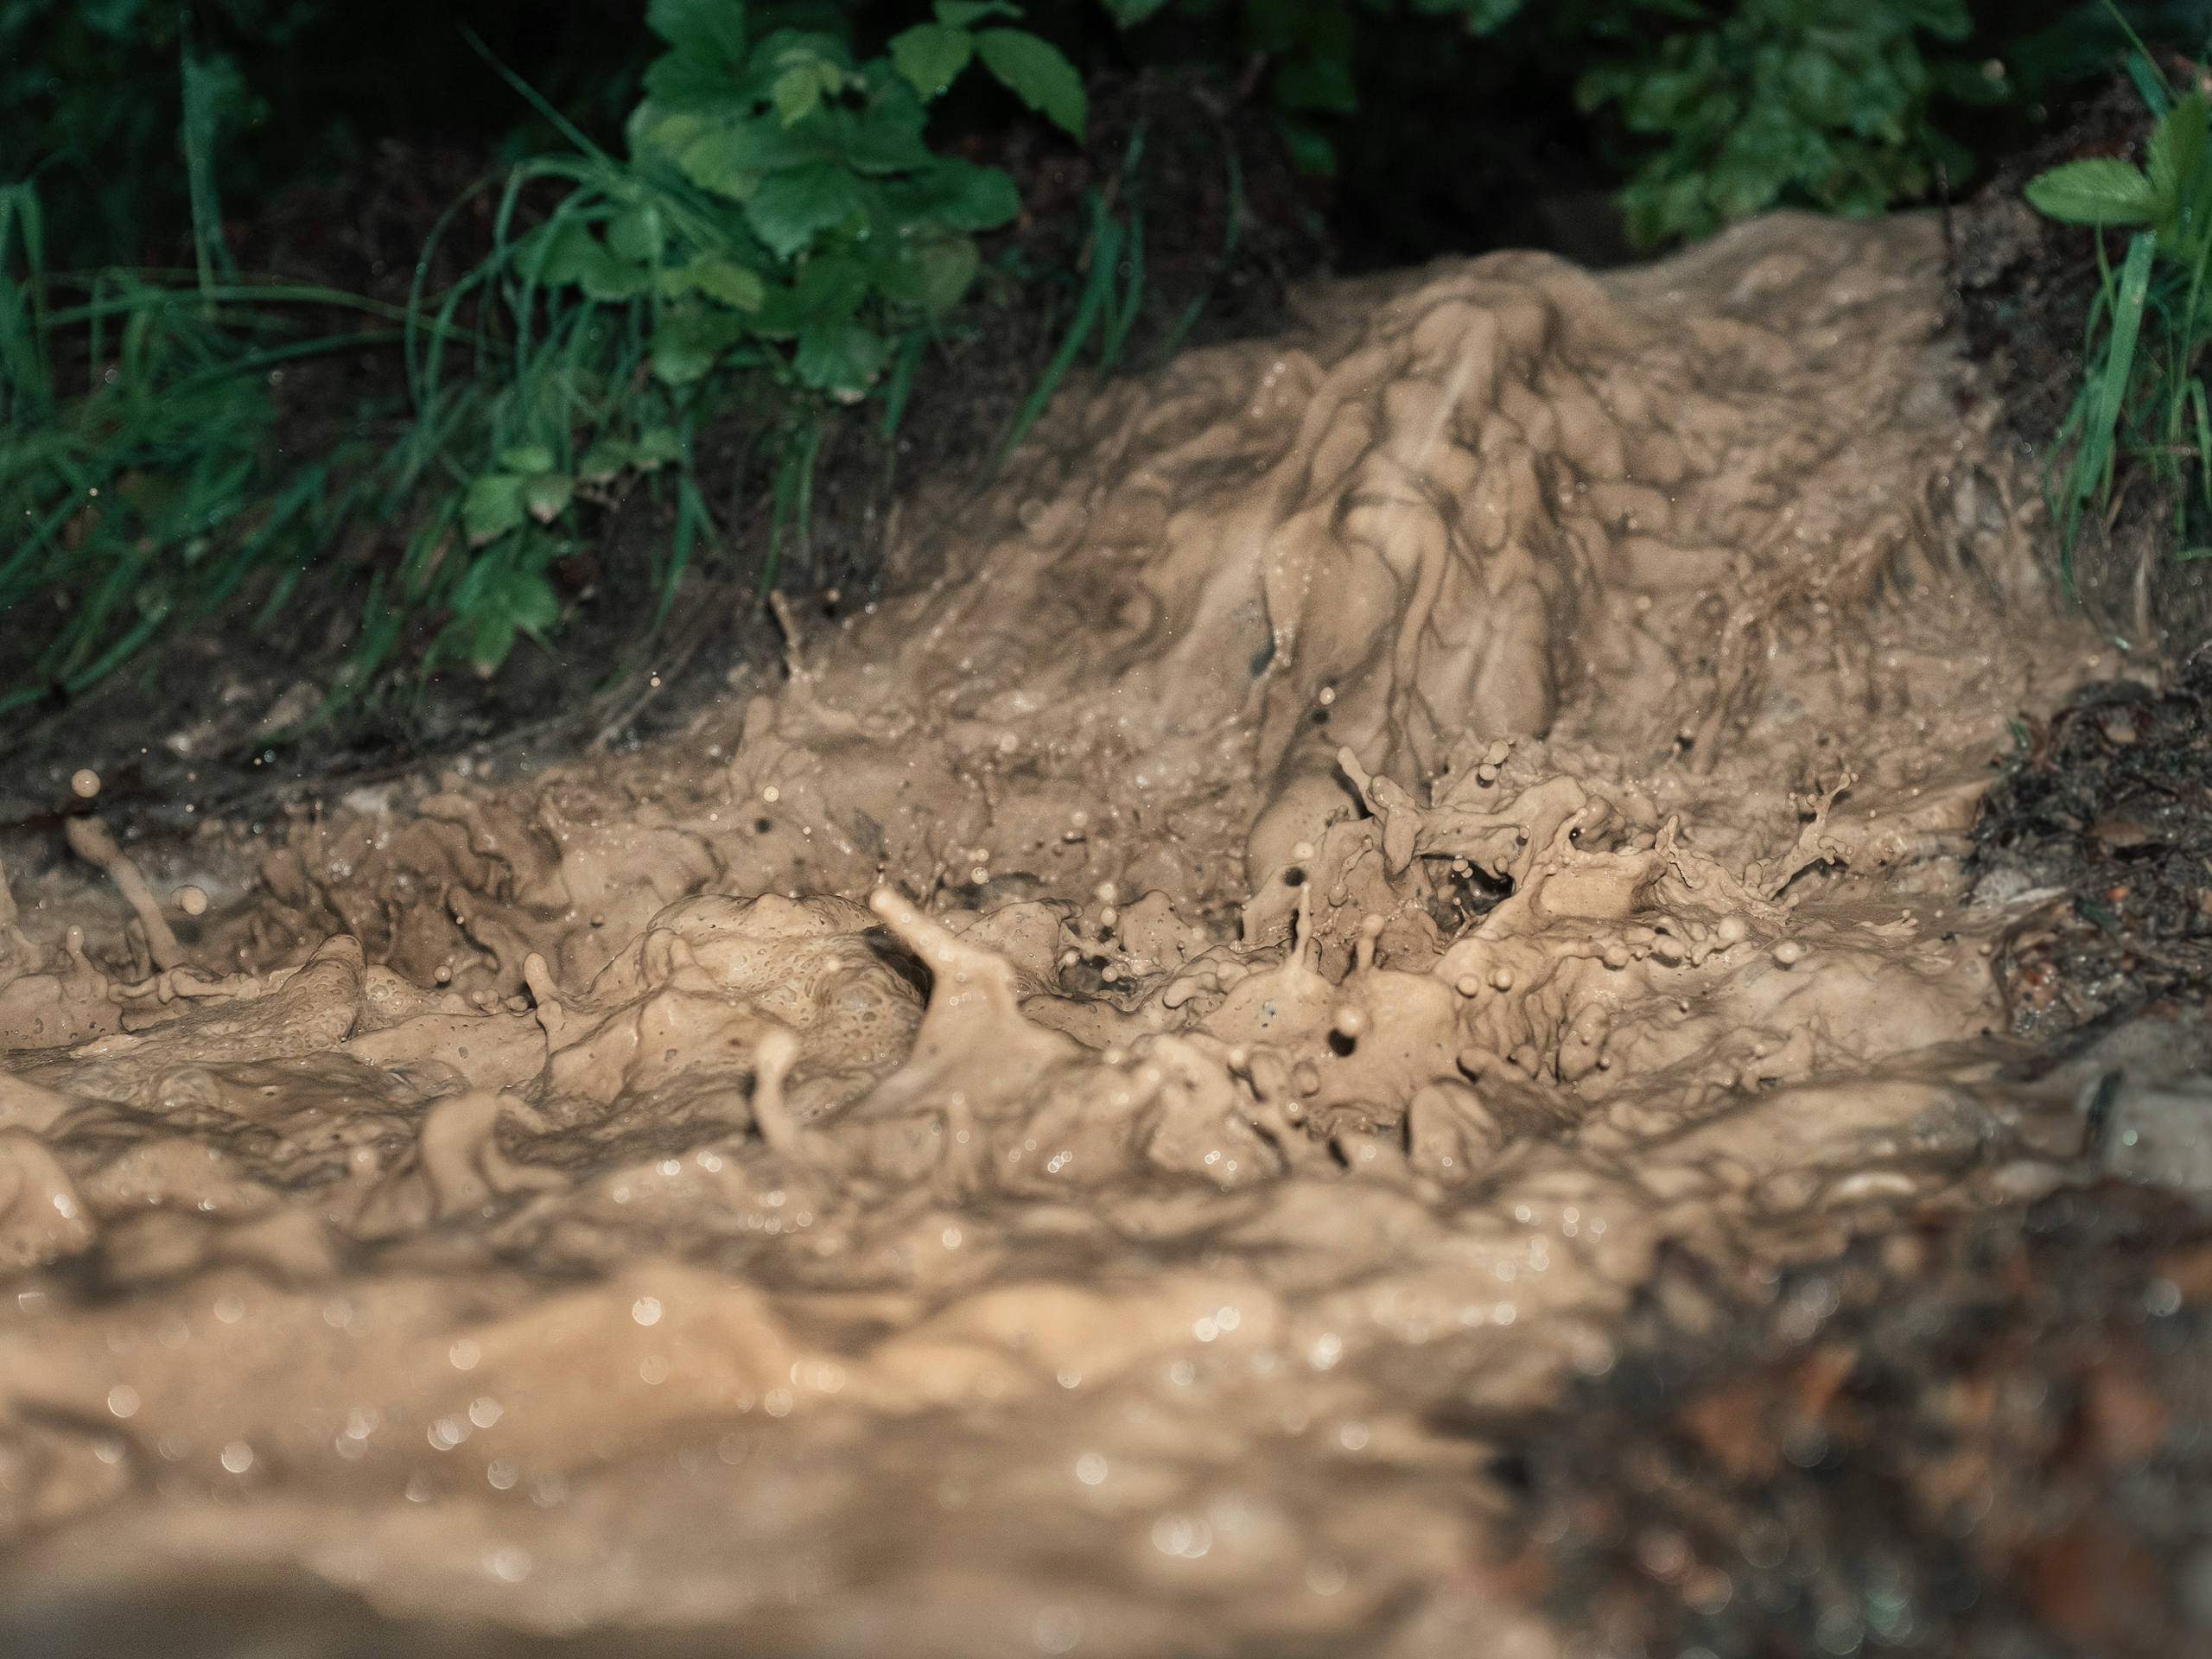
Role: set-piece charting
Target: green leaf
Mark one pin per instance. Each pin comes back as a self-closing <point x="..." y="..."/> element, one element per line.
<point x="1311" y="151"/>
<point x="962" y="196"/>
<point x="1482" y="17"/>
<point x="947" y="268"/>
<point x="2099" y="191"/>
<point x="657" y="446"/>
<point x="638" y="233"/>
<point x="930" y="55"/>
<point x="964" y="14"/>
<point x="830" y="290"/>
<point x="676" y="82"/>
<point x="796" y="93"/>
<point x="718" y="279"/>
<point x="495" y="600"/>
<point x="710" y="32"/>
<point x="490" y="642"/>
<point x="492" y="507"/>
<point x="527" y="458"/>
<point x="570" y="253"/>
<point x="1127" y="14"/>
<point x="2174" y="157"/>
<point x="688" y="343"/>
<point x="546" y="495"/>
<point x="729" y="160"/>
<point x="724" y="161"/>
<point x="1313" y="82"/>
<point x="886" y="136"/>
<point x="840" y="357"/>
<point x="793" y="206"/>
<point x="604" y="460"/>
<point x="1038" y="75"/>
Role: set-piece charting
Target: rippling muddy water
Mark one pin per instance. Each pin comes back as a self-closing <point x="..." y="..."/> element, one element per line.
<point x="1057" y="1130"/>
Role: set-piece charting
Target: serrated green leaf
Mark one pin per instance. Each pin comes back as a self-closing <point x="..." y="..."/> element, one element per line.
<point x="886" y="138"/>
<point x="960" y="196"/>
<point x="1311" y="151"/>
<point x="1036" y="74"/>
<point x="604" y="460"/>
<point x="546" y="495"/>
<point x="2099" y="191"/>
<point x="830" y="290"/>
<point x="689" y="342"/>
<point x="651" y="127"/>
<point x="929" y="56"/>
<point x="657" y="446"/>
<point x="1482" y="16"/>
<point x="723" y="160"/>
<point x="492" y="507"/>
<point x="572" y="254"/>
<point x="490" y="642"/>
<point x="718" y="278"/>
<point x="560" y="251"/>
<point x="707" y="31"/>
<point x="790" y="207"/>
<point x="495" y="600"/>
<point x="1127" y="14"/>
<point x="790" y="48"/>
<point x="1312" y="82"/>
<point x="796" y="93"/>
<point x="730" y="159"/>
<point x="677" y="81"/>
<point x="526" y="458"/>
<point x="839" y="357"/>
<point x="947" y="268"/>
<point x="638" y="233"/>
<point x="963" y="14"/>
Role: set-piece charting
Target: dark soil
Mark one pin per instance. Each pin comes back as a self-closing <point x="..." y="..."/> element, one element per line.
<point x="2108" y="813"/>
<point x="1986" y="1436"/>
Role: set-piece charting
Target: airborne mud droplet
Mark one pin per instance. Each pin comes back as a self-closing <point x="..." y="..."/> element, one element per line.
<point x="1032" y="1144"/>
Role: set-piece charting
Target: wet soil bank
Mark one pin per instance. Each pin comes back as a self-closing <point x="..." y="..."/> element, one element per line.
<point x="1370" y="1016"/>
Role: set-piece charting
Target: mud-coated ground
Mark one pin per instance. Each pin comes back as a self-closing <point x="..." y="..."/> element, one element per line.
<point x="1375" y="1023"/>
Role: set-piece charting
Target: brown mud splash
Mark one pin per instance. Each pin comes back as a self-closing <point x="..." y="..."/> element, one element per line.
<point x="1017" y="1142"/>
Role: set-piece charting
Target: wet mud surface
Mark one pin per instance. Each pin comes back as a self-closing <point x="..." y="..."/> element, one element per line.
<point x="1221" y="1075"/>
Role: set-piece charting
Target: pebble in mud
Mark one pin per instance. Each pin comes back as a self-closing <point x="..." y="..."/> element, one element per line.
<point x="1412" y="1068"/>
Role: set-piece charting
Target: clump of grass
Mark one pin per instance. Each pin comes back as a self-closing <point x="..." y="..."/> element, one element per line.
<point x="779" y="235"/>
<point x="2141" y="397"/>
<point x="137" y="467"/>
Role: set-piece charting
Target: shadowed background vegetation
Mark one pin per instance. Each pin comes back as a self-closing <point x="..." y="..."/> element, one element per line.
<point x="394" y="337"/>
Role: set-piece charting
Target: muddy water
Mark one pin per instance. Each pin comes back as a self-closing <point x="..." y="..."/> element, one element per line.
<point x="1053" y="1130"/>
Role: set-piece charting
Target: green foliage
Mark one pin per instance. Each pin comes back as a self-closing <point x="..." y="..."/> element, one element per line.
<point x="2140" y="395"/>
<point x="90" y="90"/>
<point x="137" y="460"/>
<point x="1821" y="102"/>
<point x="780" y="231"/>
<point x="780" y="235"/>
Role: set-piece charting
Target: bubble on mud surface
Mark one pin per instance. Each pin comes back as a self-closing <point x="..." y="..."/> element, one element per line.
<point x="1369" y="842"/>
